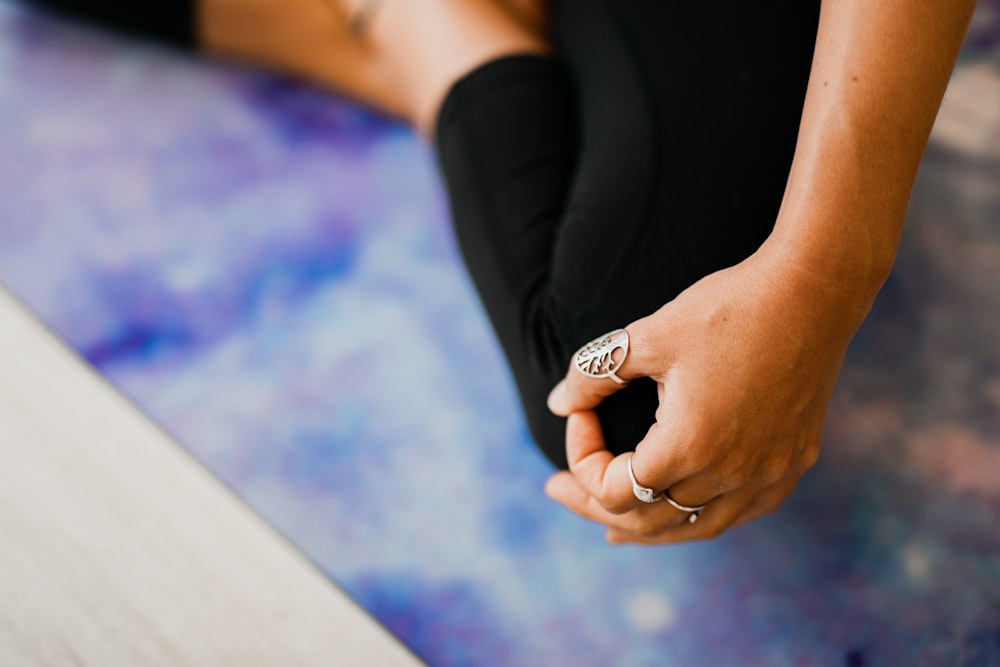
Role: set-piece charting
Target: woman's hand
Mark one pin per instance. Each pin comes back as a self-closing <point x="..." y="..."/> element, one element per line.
<point x="745" y="361"/>
<point x="746" y="358"/>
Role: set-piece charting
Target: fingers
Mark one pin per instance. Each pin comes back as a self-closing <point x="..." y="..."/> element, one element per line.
<point x="598" y="486"/>
<point x="577" y="391"/>
<point x="566" y="490"/>
<point x="660" y="523"/>
<point x="726" y="512"/>
<point x="718" y="515"/>
<point x="600" y="473"/>
<point x="604" y="475"/>
<point x="648" y="520"/>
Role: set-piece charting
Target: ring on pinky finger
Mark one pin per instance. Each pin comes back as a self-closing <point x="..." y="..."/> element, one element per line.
<point x="693" y="512"/>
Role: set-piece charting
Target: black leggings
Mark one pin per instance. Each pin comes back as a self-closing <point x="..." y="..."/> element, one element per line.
<point x="172" y="22"/>
<point x="589" y="189"/>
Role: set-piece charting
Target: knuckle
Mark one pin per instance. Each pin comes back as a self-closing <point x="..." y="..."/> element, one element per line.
<point x="731" y="477"/>
<point x="740" y="477"/>
<point x="774" y="471"/>
<point x="616" y="507"/>
<point x="611" y="501"/>
<point x="699" y="460"/>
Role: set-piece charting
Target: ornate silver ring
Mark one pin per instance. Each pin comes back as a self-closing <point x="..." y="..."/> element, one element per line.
<point x="603" y="356"/>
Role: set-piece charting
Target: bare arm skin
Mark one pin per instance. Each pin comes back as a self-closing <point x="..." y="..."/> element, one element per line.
<point x="879" y="73"/>
<point x="746" y="359"/>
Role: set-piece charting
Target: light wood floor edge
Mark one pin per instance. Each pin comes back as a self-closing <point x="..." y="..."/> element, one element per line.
<point x="117" y="548"/>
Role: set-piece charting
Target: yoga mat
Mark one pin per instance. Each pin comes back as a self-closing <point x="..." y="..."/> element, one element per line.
<point x="268" y="272"/>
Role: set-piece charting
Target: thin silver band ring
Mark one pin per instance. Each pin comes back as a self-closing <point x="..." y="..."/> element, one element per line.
<point x="647" y="495"/>
<point x="693" y="512"/>
<point x="683" y="508"/>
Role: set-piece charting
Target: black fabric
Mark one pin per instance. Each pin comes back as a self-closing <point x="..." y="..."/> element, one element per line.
<point x="172" y="22"/>
<point x="588" y="190"/>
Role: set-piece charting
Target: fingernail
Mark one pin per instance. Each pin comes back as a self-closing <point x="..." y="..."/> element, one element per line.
<point x="557" y="397"/>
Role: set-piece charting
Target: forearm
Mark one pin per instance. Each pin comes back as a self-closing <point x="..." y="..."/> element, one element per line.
<point x="879" y="72"/>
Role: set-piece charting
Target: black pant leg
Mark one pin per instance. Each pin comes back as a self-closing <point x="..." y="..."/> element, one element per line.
<point x="684" y="123"/>
<point x="172" y="22"/>
<point x="507" y="141"/>
<point x="507" y="145"/>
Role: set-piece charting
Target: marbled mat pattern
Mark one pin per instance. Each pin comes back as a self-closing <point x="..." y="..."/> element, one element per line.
<point x="268" y="272"/>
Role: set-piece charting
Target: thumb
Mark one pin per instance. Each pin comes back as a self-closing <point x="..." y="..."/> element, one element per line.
<point x="607" y="354"/>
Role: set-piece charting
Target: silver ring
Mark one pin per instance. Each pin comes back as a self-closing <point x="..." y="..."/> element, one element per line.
<point x="693" y="511"/>
<point x="642" y="493"/>
<point x="597" y="359"/>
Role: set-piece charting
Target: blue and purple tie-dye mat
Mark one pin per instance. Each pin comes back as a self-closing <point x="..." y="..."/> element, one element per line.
<point x="269" y="274"/>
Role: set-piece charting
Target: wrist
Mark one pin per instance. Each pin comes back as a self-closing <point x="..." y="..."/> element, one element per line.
<point x="837" y="279"/>
<point x="856" y="259"/>
<point x="841" y="217"/>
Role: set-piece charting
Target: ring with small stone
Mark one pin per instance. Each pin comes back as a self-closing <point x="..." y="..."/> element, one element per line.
<point x="642" y="493"/>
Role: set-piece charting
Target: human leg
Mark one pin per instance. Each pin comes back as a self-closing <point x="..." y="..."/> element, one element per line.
<point x="682" y="151"/>
<point x="508" y="139"/>
<point x="402" y="63"/>
<point x="427" y="52"/>
<point x="308" y="39"/>
<point x="428" y="46"/>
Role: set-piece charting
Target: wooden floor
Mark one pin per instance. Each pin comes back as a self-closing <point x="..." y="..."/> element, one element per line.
<point x="116" y="548"/>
